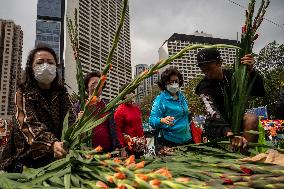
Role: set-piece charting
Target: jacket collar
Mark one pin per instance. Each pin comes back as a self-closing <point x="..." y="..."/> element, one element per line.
<point x="35" y="94"/>
<point x="168" y="96"/>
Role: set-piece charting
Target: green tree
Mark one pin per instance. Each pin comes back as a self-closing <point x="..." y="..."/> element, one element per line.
<point x="271" y="57"/>
<point x="270" y="63"/>
<point x="195" y="103"/>
<point x="147" y="101"/>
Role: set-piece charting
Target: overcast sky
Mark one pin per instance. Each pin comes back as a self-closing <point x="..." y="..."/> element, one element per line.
<point x="154" y="21"/>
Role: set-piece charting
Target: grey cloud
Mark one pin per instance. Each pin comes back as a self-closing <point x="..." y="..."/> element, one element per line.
<point x="155" y="21"/>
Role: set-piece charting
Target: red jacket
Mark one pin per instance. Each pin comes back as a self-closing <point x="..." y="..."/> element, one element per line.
<point x="128" y="120"/>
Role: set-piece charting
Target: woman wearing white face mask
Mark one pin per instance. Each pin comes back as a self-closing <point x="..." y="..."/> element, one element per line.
<point x="41" y="105"/>
<point x="170" y="111"/>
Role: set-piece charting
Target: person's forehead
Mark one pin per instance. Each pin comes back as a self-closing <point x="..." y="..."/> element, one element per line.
<point x="173" y="77"/>
<point x="92" y="79"/>
<point x="208" y="65"/>
<point x="44" y="54"/>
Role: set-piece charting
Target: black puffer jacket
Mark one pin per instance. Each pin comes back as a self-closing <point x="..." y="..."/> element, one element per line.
<point x="212" y="94"/>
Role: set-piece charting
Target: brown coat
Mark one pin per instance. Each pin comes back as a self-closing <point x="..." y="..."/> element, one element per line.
<point x="39" y="122"/>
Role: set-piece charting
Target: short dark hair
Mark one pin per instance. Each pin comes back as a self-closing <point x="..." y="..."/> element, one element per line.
<point x="166" y="75"/>
<point x="89" y="76"/>
<point x="29" y="79"/>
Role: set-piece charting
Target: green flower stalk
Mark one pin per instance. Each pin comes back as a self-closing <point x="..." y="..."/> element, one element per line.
<point x="73" y="35"/>
<point x="241" y="81"/>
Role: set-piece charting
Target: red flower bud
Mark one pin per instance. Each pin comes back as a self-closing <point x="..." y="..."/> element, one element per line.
<point x="244" y="29"/>
<point x="255" y="37"/>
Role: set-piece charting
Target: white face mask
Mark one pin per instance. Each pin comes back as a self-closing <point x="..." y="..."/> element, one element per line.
<point x="173" y="88"/>
<point x="45" y="73"/>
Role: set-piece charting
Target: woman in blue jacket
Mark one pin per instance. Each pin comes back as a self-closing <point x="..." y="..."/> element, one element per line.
<point x="170" y="112"/>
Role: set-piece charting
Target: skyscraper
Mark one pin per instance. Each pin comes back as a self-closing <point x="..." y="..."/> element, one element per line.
<point x="97" y="23"/>
<point x="50" y="24"/>
<point x="11" y="44"/>
<point x="141" y="90"/>
<point x="187" y="64"/>
<point x="146" y="85"/>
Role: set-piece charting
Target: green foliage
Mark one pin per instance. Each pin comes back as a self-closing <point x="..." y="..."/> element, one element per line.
<point x="147" y="102"/>
<point x="270" y="63"/>
<point x="236" y="104"/>
<point x="195" y="103"/>
<point x="73" y="35"/>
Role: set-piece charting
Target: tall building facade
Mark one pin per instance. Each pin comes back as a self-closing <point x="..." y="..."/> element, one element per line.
<point x="187" y="64"/>
<point x="97" y="24"/>
<point x="50" y="26"/>
<point x="11" y="44"/>
<point x="146" y="85"/>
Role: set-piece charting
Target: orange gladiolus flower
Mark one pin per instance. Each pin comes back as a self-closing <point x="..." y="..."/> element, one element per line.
<point x="100" y="184"/>
<point x="244" y="29"/>
<point x="155" y="183"/>
<point x="182" y="179"/>
<point x="142" y="176"/>
<point x="145" y="72"/>
<point x="116" y="160"/>
<point x="94" y="100"/>
<point x="98" y="149"/>
<point x="130" y="160"/>
<point x="108" y="155"/>
<point x="103" y="78"/>
<point x="140" y="165"/>
<point x="121" y="186"/>
<point x="109" y="179"/>
<point x="165" y="172"/>
<point x="89" y="156"/>
<point x="119" y="175"/>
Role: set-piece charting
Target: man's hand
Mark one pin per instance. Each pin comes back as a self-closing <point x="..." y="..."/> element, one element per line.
<point x="237" y="142"/>
<point x="249" y="61"/>
<point x="58" y="149"/>
<point x="167" y="120"/>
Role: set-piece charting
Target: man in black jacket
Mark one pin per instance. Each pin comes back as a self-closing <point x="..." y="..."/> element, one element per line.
<point x="212" y="89"/>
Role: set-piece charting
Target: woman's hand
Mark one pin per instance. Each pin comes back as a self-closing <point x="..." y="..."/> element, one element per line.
<point x="80" y="114"/>
<point x="59" y="151"/>
<point x="168" y="120"/>
<point x="249" y="61"/>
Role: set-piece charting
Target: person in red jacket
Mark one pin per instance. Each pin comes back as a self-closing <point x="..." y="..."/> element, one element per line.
<point x="129" y="130"/>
